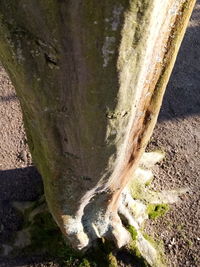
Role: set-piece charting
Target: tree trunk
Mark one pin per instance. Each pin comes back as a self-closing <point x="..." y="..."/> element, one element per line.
<point x="90" y="76"/>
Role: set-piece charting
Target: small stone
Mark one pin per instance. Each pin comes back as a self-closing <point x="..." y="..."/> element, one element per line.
<point x="22" y="155"/>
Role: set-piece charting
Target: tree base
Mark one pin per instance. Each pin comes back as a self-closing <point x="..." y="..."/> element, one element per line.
<point x="137" y="204"/>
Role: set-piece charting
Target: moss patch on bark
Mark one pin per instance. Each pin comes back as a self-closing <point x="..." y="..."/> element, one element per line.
<point x="156" y="210"/>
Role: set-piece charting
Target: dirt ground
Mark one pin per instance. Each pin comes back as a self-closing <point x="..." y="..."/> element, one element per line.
<point x="177" y="133"/>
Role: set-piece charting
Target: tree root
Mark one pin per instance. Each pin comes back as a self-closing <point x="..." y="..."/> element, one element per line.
<point x="137" y="204"/>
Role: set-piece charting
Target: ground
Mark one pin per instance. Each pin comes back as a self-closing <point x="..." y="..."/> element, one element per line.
<point x="177" y="133"/>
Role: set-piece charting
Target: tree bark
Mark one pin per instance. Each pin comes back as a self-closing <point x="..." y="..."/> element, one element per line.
<point x="90" y="76"/>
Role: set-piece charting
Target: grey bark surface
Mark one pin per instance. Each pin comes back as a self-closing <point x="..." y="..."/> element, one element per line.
<point x="90" y="77"/>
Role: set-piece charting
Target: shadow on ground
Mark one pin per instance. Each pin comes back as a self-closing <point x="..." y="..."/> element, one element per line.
<point x="182" y="97"/>
<point x="23" y="184"/>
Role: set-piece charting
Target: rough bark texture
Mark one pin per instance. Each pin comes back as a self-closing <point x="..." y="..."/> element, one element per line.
<point x="90" y="76"/>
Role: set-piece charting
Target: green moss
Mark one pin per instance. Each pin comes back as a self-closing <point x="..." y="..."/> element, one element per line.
<point x="151" y="240"/>
<point x="112" y="261"/>
<point x="133" y="249"/>
<point x="132" y="231"/>
<point x="149" y="182"/>
<point x="85" y="263"/>
<point x="138" y="258"/>
<point x="47" y="239"/>
<point x="180" y="227"/>
<point x="158" y="245"/>
<point x="156" y="210"/>
<point x="103" y="254"/>
<point x="137" y="190"/>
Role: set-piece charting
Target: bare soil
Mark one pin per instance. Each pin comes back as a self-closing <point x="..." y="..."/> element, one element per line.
<point x="177" y="133"/>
